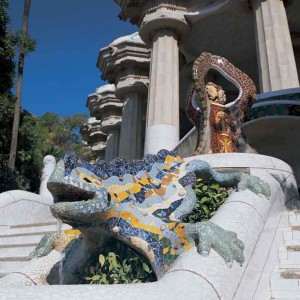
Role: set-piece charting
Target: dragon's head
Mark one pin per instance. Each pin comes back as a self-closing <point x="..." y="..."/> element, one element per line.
<point x="87" y="194"/>
<point x="78" y="193"/>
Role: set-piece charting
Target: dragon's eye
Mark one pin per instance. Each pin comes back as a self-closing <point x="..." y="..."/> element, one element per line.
<point x="87" y="180"/>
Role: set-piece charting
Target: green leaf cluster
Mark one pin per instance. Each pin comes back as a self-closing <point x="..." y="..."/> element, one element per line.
<point x="29" y="156"/>
<point x="38" y="136"/>
<point x="49" y="134"/>
<point x="210" y="196"/>
<point x="62" y="134"/>
<point x="117" y="264"/>
<point x="29" y="160"/>
<point x="7" y="52"/>
<point x="19" y="40"/>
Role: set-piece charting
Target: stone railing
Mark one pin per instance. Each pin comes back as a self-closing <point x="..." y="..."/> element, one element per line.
<point x="187" y="145"/>
<point x="254" y="218"/>
<point x="21" y="207"/>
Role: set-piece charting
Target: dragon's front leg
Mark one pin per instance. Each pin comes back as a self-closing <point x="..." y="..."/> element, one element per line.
<point x="45" y="246"/>
<point x="240" y="180"/>
<point x="208" y="235"/>
<point x="187" y="205"/>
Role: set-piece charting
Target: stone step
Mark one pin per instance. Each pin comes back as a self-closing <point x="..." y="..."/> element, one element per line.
<point x="7" y="267"/>
<point x="289" y="254"/>
<point x="294" y="218"/>
<point x="15" y="251"/>
<point x="25" y="235"/>
<point x="285" y="284"/>
<point x="33" y="225"/>
<point x="8" y="246"/>
<point x="291" y="233"/>
<point x="15" y="241"/>
<point x="27" y="230"/>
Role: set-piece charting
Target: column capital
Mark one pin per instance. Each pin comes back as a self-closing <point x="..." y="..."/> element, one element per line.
<point x="125" y="62"/>
<point x="94" y="137"/>
<point x="163" y="16"/>
<point x="104" y="106"/>
<point x="153" y="16"/>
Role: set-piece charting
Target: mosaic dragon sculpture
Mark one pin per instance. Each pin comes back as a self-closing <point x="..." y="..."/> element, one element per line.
<point x="142" y="203"/>
<point x="219" y="123"/>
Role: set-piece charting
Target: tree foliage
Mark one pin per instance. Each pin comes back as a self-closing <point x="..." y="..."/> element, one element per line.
<point x="9" y="180"/>
<point x="29" y="158"/>
<point x="7" y="52"/>
<point x="62" y="134"/>
<point x="10" y="43"/>
<point x="38" y="136"/>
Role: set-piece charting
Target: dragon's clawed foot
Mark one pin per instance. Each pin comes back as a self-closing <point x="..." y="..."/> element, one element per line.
<point x="254" y="184"/>
<point x="45" y="246"/>
<point x="208" y="235"/>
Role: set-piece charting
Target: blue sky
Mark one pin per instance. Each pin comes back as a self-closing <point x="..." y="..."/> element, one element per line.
<point x="62" y="71"/>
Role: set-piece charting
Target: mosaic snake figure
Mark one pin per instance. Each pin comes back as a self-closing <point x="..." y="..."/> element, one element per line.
<point x="142" y="204"/>
<point x="203" y="113"/>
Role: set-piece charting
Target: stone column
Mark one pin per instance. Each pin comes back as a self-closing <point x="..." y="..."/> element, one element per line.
<point x="125" y="62"/>
<point x="276" y="61"/>
<point x="112" y="144"/>
<point x="93" y="136"/>
<point x="108" y="109"/>
<point x="98" y="144"/>
<point x="163" y="27"/>
<point x="162" y="128"/>
<point x="133" y="126"/>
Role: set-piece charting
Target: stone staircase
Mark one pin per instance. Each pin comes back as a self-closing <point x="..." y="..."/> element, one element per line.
<point x="17" y="241"/>
<point x="285" y="279"/>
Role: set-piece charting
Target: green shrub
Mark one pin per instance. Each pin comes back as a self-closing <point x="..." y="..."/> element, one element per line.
<point x="210" y="196"/>
<point x="12" y="180"/>
<point x="118" y="263"/>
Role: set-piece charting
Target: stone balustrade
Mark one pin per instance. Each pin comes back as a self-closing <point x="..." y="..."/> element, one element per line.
<point x="254" y="218"/>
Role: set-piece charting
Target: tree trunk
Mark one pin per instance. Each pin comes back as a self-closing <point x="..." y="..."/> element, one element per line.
<point x="15" y="130"/>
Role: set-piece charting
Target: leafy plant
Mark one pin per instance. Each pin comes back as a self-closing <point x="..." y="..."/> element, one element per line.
<point x="210" y="196"/>
<point x="118" y="263"/>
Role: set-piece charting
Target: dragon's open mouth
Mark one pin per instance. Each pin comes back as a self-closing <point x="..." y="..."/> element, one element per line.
<point x="68" y="193"/>
<point x="75" y="206"/>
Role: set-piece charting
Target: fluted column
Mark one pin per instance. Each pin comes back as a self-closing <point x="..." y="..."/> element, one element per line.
<point x="162" y="127"/>
<point x="133" y="126"/>
<point x="163" y="26"/>
<point x="112" y="144"/>
<point x="276" y="60"/>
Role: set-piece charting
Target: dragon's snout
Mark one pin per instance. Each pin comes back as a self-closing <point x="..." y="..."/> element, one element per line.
<point x="79" y="212"/>
<point x="67" y="193"/>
